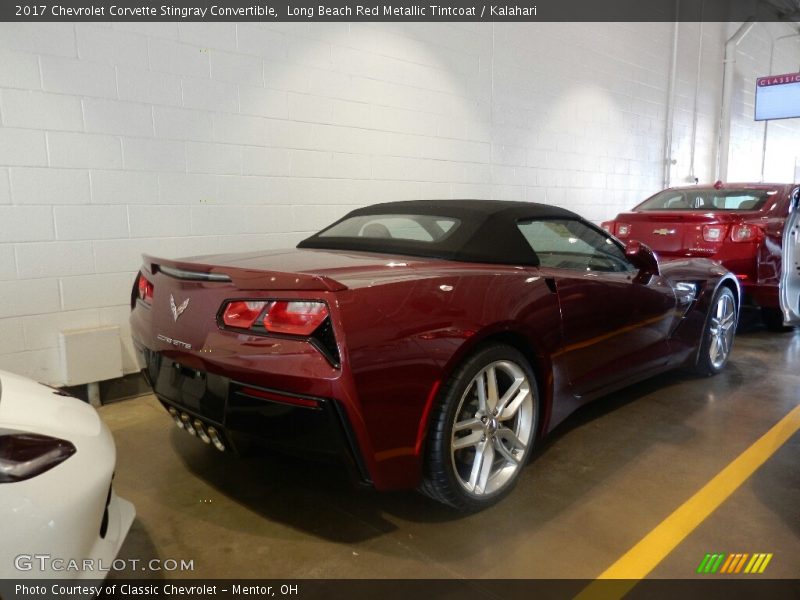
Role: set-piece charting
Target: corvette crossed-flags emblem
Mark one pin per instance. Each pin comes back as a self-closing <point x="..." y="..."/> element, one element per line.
<point x="177" y="311"/>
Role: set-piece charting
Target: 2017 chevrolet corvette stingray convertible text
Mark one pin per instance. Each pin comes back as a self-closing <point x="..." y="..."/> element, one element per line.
<point x="428" y="343"/>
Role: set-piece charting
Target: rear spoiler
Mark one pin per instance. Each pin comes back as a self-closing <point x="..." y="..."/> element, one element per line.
<point x="243" y="279"/>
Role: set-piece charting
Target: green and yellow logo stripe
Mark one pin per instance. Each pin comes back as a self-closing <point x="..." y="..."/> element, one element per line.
<point x="734" y="563"/>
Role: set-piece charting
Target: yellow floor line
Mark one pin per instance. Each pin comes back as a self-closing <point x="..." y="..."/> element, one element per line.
<point x="637" y="562"/>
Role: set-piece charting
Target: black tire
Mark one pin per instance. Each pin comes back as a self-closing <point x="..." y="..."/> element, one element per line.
<point x="773" y="320"/>
<point x="445" y="476"/>
<point x="708" y="362"/>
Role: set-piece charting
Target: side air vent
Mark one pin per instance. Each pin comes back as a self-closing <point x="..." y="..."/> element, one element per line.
<point x="325" y="342"/>
<point x="193" y="275"/>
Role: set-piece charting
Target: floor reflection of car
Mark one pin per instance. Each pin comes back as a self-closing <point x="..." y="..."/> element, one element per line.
<point x="429" y="344"/>
<point x="742" y="225"/>
<point x="60" y="516"/>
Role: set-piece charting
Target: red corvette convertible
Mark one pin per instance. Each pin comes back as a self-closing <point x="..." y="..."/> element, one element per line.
<point x="429" y="344"/>
<point x="743" y="225"/>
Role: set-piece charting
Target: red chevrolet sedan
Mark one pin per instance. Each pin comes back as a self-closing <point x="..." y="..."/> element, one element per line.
<point x="741" y="225"/>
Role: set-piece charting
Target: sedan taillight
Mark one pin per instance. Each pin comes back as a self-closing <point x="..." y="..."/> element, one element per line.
<point x="714" y="233"/>
<point x="26" y="455"/>
<point x="745" y="232"/>
<point x="623" y="230"/>
<point x="290" y="317"/>
<point x="145" y="289"/>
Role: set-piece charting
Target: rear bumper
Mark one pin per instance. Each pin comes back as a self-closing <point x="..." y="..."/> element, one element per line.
<point x="761" y="295"/>
<point x="243" y="412"/>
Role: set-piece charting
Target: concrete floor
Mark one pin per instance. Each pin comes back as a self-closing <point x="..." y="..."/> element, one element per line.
<point x="600" y="483"/>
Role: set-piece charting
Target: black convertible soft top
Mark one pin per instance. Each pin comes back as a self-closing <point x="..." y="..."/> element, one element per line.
<point x="487" y="230"/>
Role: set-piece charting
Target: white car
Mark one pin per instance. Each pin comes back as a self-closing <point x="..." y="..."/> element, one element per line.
<point x="59" y="514"/>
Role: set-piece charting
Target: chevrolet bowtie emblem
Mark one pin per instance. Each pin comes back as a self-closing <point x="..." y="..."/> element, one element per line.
<point x="177" y="311"/>
<point x="664" y="231"/>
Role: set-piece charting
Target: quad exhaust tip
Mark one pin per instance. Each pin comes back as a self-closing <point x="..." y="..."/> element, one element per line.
<point x="215" y="439"/>
<point x="176" y="417"/>
<point x="201" y="431"/>
<point x="187" y="424"/>
<point x="209" y="434"/>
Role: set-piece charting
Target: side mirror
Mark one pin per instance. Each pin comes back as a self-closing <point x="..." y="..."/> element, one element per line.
<point x="643" y="258"/>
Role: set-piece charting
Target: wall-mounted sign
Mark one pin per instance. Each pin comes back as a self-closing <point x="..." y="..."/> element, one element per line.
<point x="778" y="97"/>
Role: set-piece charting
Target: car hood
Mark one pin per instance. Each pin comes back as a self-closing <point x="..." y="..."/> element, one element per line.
<point x="35" y="408"/>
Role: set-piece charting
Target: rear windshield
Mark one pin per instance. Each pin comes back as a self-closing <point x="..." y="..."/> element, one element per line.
<point x="707" y="200"/>
<point x="418" y="228"/>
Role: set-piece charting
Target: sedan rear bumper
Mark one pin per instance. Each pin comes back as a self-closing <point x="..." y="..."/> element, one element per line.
<point x="761" y="295"/>
<point x="754" y="292"/>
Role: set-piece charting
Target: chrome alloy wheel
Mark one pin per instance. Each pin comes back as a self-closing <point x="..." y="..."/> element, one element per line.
<point x="722" y="328"/>
<point x="492" y="428"/>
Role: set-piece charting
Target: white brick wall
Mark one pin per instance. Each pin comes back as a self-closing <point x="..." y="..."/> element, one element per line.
<point x="191" y="138"/>
<point x="41" y="110"/>
<point x="49" y="185"/>
<point x="83" y="150"/>
<point x="22" y="147"/>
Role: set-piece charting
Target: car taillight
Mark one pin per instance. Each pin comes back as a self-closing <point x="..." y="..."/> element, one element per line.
<point x="623" y="230"/>
<point x="292" y="317"/>
<point x="242" y="314"/>
<point x="26" y="455"/>
<point x="145" y="289"/>
<point x="745" y="232"/>
<point x="714" y="233"/>
<point x="295" y="318"/>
